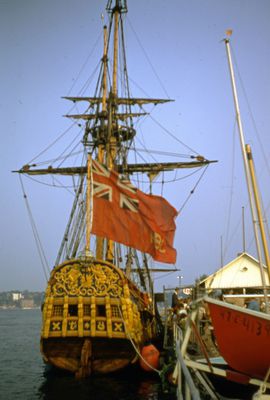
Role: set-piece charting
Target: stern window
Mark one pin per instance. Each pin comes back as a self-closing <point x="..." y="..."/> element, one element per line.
<point x="115" y="311"/>
<point x="72" y="310"/>
<point x="86" y="309"/>
<point x="101" y="311"/>
<point x="58" y="311"/>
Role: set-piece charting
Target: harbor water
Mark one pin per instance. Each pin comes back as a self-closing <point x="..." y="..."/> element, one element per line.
<point x="24" y="376"/>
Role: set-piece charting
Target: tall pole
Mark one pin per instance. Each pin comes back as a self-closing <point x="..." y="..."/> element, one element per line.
<point x="115" y="51"/>
<point x="243" y="230"/>
<point x="246" y="168"/>
<point x="180" y="277"/>
<point x="221" y="251"/>
<point x="100" y="240"/>
<point x="105" y="67"/>
<point x="89" y="205"/>
<point x="258" y="206"/>
<point x="111" y="139"/>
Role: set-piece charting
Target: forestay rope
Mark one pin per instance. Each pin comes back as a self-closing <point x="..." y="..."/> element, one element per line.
<point x="43" y="259"/>
<point x="193" y="190"/>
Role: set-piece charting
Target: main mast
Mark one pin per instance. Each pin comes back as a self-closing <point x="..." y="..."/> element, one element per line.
<point x="108" y="135"/>
<point x="100" y="157"/>
<point x="107" y="151"/>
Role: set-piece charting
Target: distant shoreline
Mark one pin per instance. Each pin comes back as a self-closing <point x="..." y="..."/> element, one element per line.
<point x="19" y="308"/>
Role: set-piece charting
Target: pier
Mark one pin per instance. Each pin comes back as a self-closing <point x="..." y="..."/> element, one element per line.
<point x="199" y="371"/>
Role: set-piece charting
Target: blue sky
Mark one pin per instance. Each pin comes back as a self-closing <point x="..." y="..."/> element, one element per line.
<point x="44" y="46"/>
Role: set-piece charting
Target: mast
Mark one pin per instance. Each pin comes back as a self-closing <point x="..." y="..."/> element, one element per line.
<point x="243" y="230"/>
<point x="115" y="51"/>
<point x="89" y="205"/>
<point x="105" y="67"/>
<point x="247" y="171"/>
<point x="258" y="206"/>
<point x="111" y="145"/>
<point x="100" y="241"/>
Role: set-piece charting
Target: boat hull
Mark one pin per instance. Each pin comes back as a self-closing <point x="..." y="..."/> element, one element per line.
<point x="243" y="337"/>
<point x="88" y="356"/>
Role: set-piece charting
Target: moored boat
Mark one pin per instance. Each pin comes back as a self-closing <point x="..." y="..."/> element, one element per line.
<point x="243" y="335"/>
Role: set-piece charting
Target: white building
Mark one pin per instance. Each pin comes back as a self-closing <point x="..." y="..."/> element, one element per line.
<point x="242" y="272"/>
<point x="16" y="296"/>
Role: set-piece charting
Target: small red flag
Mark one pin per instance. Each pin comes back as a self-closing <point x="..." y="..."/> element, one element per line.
<point x="124" y="214"/>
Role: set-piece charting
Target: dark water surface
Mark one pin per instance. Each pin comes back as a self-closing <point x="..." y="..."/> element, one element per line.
<point x="23" y="375"/>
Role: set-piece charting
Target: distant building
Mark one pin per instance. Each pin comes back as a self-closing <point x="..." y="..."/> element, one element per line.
<point x="242" y="273"/>
<point x="27" y="303"/>
<point x="16" y="296"/>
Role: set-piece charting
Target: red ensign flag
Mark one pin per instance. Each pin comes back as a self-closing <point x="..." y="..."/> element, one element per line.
<point x="126" y="215"/>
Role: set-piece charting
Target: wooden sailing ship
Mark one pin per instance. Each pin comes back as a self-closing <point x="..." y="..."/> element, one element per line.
<point x="96" y="317"/>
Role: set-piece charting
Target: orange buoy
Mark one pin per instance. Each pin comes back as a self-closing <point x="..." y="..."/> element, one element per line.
<point x="150" y="354"/>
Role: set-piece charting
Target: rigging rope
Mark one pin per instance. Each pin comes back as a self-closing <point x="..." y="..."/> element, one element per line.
<point x="139" y="87"/>
<point x="73" y="148"/>
<point x="231" y="194"/>
<point x="262" y="148"/>
<point x="171" y="180"/>
<point x="148" y="59"/>
<point x="146" y="151"/>
<point x="43" y="259"/>
<point x="252" y="116"/>
<point x="193" y="190"/>
<point x="60" y="186"/>
<point x="134" y="345"/>
<point x="53" y="143"/>
<point x="164" y="275"/>
<point x="172" y="135"/>
<point x="161" y="152"/>
<point x="58" y="158"/>
<point x="84" y="64"/>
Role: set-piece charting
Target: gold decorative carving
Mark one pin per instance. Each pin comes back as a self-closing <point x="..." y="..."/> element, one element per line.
<point x="118" y="326"/>
<point x="72" y="325"/>
<point x="85" y="279"/>
<point x="56" y="326"/>
<point x="101" y="326"/>
<point x="87" y="325"/>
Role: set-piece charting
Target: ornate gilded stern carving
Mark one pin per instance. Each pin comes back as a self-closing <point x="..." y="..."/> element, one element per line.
<point x="86" y="278"/>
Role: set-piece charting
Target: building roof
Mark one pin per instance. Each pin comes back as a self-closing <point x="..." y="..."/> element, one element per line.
<point x="242" y="272"/>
